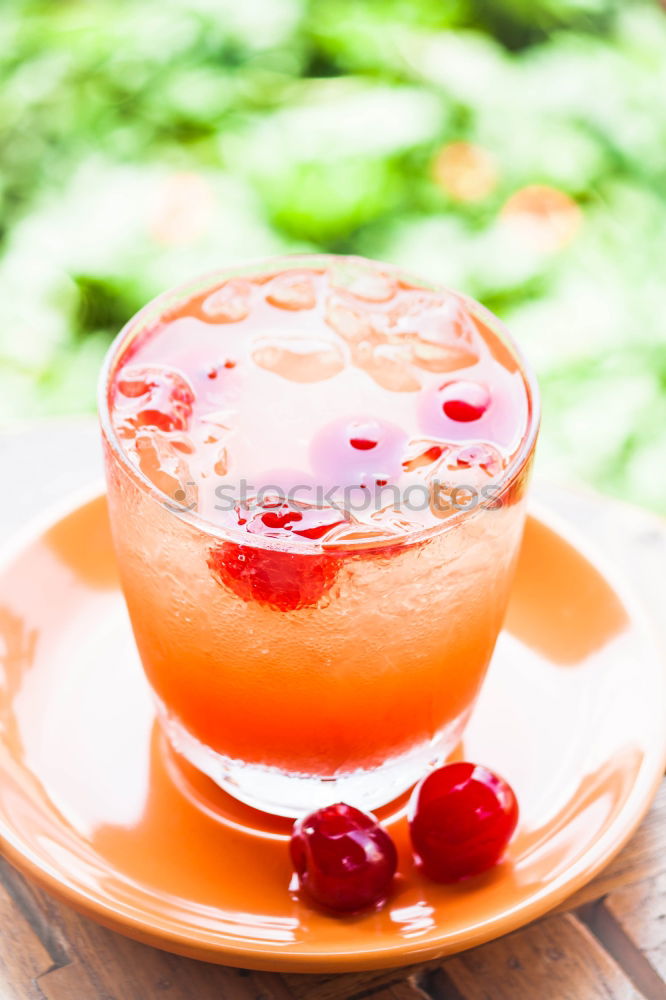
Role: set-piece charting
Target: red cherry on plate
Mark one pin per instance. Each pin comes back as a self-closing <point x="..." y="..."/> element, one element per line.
<point x="464" y="401"/>
<point x="461" y="818"/>
<point x="343" y="858"/>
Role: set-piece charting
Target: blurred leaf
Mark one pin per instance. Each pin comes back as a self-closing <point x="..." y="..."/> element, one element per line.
<point x="143" y="141"/>
<point x="103" y="303"/>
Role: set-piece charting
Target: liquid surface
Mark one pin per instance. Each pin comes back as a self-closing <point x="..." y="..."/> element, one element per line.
<point x="322" y="407"/>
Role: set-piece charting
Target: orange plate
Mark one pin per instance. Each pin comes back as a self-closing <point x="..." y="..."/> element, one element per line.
<point x="95" y="808"/>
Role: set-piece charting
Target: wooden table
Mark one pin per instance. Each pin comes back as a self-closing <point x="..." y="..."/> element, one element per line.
<point x="606" y="942"/>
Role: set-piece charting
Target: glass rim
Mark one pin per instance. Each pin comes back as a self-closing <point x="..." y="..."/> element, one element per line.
<point x="156" y="307"/>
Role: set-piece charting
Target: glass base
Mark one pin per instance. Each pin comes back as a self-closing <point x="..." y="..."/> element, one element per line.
<point x="291" y="794"/>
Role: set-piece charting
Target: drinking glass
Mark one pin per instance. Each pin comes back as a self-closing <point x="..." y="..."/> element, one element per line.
<point x="349" y="699"/>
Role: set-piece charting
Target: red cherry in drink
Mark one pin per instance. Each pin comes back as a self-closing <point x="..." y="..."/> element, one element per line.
<point x="285" y="580"/>
<point x="461" y="818"/>
<point x="343" y="858"/>
<point x="464" y="401"/>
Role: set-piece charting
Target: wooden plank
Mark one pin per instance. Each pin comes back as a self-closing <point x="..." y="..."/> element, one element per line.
<point x="23" y="957"/>
<point x="36" y="909"/>
<point x="640" y="910"/>
<point x="407" y="990"/>
<point x="352" y="985"/>
<point x="554" y="959"/>
<point x="97" y="964"/>
<point x="358" y="985"/>
<point x="626" y="952"/>
<point x="643" y="858"/>
<point x="107" y="966"/>
<point x="152" y="975"/>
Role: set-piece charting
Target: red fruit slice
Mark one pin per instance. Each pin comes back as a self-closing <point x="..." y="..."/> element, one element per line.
<point x="461" y="818"/>
<point x="478" y="456"/>
<point x="153" y="397"/>
<point x="343" y="858"/>
<point x="282" y="580"/>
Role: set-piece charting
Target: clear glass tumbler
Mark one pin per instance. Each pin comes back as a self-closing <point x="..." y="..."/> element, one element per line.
<point x="347" y="700"/>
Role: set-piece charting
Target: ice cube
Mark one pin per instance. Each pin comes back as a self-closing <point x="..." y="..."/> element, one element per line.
<point x="220" y="418"/>
<point x="299" y="359"/>
<point x="293" y="290"/>
<point x="228" y="304"/>
<point x="358" y="536"/>
<point x="388" y="365"/>
<point x="165" y="467"/>
<point x="446" y="500"/>
<point x="437" y="318"/>
<point x="221" y="466"/>
<point x="362" y="280"/>
<point x="350" y="324"/>
<point x="423" y="453"/>
<point x="440" y="357"/>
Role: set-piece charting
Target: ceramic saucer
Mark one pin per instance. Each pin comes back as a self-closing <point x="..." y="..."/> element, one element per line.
<point x="96" y="809"/>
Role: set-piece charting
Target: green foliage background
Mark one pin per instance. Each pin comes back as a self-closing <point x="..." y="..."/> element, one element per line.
<point x="145" y="140"/>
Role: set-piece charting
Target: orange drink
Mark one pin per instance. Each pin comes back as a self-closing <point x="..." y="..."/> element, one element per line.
<point x="316" y="470"/>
